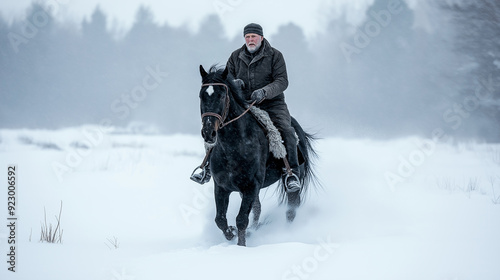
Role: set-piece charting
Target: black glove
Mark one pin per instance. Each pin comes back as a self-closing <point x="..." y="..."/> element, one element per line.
<point x="258" y="95"/>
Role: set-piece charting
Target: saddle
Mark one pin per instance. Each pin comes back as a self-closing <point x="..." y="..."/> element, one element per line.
<point x="276" y="146"/>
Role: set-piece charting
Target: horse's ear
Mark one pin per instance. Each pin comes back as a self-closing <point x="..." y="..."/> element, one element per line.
<point x="203" y="72"/>
<point x="224" y="74"/>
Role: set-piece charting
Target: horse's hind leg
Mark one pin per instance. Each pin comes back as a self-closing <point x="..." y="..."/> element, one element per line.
<point x="256" y="209"/>
<point x="293" y="204"/>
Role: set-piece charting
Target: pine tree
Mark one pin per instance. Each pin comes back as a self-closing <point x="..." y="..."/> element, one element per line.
<point x="477" y="41"/>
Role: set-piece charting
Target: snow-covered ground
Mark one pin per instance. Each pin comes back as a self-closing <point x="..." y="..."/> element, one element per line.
<point x="401" y="209"/>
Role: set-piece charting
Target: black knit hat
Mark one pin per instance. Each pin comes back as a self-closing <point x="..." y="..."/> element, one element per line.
<point x="253" y="28"/>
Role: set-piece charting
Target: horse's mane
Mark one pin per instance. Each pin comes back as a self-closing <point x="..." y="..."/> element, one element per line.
<point x="215" y="75"/>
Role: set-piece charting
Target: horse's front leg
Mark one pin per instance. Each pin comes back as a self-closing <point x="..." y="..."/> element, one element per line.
<point x="247" y="201"/>
<point x="221" y="204"/>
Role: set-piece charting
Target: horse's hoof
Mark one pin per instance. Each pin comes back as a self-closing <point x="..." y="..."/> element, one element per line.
<point x="242" y="238"/>
<point x="229" y="233"/>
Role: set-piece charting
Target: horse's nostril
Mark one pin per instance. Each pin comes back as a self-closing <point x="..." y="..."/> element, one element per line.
<point x="214" y="134"/>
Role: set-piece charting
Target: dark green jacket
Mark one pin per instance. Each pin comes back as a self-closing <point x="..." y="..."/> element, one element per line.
<point x="265" y="69"/>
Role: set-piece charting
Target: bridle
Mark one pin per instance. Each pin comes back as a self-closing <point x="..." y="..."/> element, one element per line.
<point x="221" y="118"/>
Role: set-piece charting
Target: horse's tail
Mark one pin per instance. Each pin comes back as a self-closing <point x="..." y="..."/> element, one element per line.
<point x="307" y="154"/>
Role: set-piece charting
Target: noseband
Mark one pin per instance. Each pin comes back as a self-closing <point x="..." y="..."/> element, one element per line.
<point x="222" y="118"/>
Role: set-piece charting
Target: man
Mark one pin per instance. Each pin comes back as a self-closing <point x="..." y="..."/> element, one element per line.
<point x="263" y="71"/>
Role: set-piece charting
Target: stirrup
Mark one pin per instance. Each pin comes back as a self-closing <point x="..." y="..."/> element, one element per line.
<point x="294" y="186"/>
<point x="202" y="177"/>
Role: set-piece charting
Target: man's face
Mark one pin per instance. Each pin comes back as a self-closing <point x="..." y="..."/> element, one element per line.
<point x="253" y="41"/>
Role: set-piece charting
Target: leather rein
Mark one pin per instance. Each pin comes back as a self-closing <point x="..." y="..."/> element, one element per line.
<point x="221" y="118"/>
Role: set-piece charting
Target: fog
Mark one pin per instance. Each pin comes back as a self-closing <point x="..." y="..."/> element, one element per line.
<point x="384" y="78"/>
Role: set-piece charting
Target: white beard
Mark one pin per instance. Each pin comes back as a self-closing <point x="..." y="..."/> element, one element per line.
<point x="254" y="48"/>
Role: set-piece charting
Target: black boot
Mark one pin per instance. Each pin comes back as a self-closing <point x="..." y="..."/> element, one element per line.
<point x="292" y="181"/>
<point x="203" y="176"/>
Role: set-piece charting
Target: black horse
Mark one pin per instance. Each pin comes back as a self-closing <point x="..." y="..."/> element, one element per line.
<point x="240" y="158"/>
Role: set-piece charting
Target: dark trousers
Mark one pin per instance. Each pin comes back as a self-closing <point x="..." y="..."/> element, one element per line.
<point x="280" y="116"/>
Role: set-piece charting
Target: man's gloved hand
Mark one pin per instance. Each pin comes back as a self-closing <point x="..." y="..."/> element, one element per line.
<point x="258" y="95"/>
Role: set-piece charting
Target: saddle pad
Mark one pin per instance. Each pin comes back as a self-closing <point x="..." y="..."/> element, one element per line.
<point x="276" y="145"/>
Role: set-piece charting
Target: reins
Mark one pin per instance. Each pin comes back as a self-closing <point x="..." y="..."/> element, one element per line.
<point x="222" y="118"/>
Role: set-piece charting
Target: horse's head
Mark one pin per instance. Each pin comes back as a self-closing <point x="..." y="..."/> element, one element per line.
<point x="214" y="102"/>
